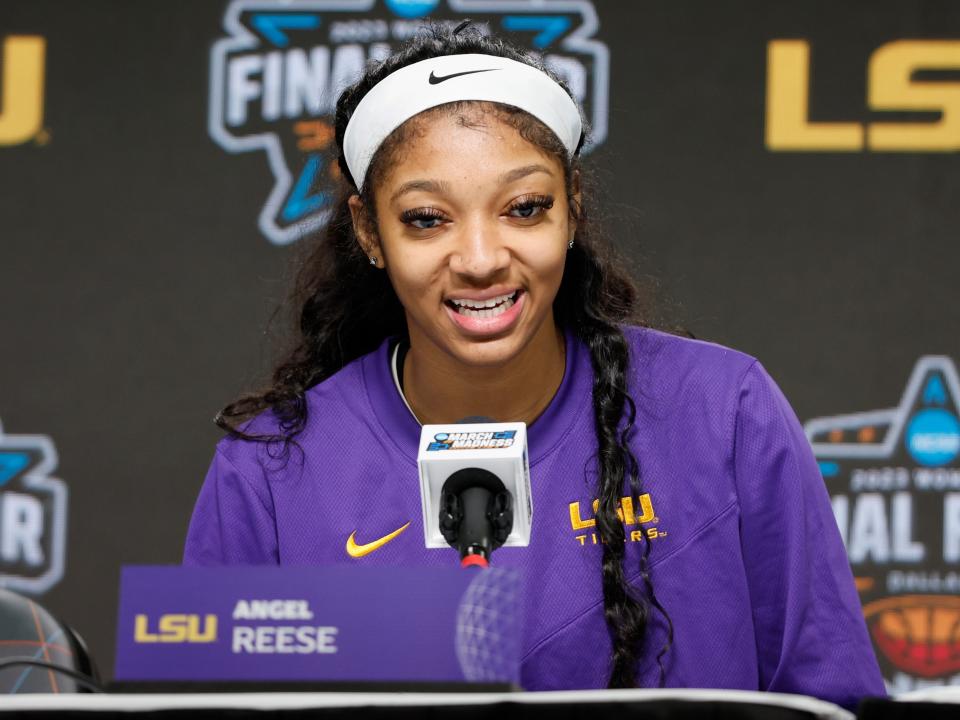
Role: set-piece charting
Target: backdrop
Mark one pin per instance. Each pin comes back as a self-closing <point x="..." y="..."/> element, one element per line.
<point x="788" y="170"/>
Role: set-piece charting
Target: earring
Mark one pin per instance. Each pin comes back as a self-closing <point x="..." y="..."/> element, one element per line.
<point x="570" y="245"/>
<point x="373" y="261"/>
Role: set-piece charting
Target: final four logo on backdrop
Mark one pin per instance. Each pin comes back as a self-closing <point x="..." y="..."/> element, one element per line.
<point x="33" y="514"/>
<point x="894" y="479"/>
<point x="275" y="79"/>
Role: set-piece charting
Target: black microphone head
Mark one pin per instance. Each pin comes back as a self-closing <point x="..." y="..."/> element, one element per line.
<point x="474" y="420"/>
<point x="476" y="512"/>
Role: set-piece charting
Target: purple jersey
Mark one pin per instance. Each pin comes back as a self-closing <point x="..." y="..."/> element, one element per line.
<point x="745" y="554"/>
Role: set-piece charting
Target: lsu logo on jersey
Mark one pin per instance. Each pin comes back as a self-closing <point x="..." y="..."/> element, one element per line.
<point x="275" y="79"/>
<point x="894" y="479"/>
<point x="21" y="92"/>
<point x="175" y="628"/>
<point x="636" y="514"/>
<point x="33" y="514"/>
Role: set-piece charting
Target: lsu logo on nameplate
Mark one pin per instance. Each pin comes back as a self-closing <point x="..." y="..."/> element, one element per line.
<point x="894" y="480"/>
<point x="274" y="80"/>
<point x="33" y="514"/>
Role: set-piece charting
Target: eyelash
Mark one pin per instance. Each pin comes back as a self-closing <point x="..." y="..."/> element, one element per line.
<point x="529" y="202"/>
<point x="532" y="202"/>
<point x="409" y="217"/>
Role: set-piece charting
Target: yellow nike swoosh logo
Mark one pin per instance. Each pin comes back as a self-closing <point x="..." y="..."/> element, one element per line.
<point x="358" y="551"/>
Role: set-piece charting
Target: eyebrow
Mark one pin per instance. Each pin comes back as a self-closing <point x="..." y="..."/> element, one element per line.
<point x="438" y="186"/>
<point x="434" y="186"/>
<point x="522" y="172"/>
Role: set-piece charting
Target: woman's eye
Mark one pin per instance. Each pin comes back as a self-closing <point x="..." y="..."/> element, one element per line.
<point x="425" y="223"/>
<point x="422" y="219"/>
<point x="526" y="211"/>
<point x="530" y="207"/>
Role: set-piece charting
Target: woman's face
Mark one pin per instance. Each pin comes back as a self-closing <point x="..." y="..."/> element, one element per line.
<point x="473" y="227"/>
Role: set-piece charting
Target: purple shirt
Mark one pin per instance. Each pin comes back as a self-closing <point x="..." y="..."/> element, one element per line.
<point x="745" y="554"/>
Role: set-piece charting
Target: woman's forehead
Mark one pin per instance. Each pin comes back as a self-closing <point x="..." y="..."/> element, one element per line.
<point x="480" y="134"/>
<point x="465" y="113"/>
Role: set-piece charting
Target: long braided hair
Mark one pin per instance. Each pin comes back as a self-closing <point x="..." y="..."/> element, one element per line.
<point x="346" y="309"/>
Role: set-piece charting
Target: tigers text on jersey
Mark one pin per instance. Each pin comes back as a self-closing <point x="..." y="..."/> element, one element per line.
<point x="745" y="554"/>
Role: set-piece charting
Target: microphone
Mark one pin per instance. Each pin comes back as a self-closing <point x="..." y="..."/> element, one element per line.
<point x="475" y="487"/>
<point x="476" y="514"/>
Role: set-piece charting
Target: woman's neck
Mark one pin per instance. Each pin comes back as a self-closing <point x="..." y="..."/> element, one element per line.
<point x="439" y="389"/>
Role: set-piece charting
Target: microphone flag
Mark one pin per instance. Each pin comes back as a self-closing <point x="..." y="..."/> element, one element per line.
<point x="497" y="448"/>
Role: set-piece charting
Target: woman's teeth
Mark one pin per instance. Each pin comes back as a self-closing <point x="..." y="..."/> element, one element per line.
<point x="485" y="308"/>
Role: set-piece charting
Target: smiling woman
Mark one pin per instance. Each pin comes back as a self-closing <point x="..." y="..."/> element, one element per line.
<point x="459" y="277"/>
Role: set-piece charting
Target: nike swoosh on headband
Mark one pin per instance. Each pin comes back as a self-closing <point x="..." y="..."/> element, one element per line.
<point x="437" y="79"/>
<point x="356" y="550"/>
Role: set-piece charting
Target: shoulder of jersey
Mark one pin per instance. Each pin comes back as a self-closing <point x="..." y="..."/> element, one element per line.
<point x="659" y="354"/>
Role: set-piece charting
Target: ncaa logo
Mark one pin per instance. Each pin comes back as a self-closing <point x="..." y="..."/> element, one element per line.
<point x="33" y="514"/>
<point x="894" y="480"/>
<point x="275" y="79"/>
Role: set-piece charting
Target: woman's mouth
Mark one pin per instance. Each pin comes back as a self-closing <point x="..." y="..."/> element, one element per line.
<point x="486" y="316"/>
<point x="485" y="308"/>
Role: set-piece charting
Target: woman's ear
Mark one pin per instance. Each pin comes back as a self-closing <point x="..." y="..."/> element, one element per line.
<point x="364" y="227"/>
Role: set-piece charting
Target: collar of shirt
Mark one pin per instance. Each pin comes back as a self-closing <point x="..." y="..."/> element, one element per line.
<point x="543" y="436"/>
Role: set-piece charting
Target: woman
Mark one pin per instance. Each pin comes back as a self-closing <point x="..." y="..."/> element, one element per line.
<point x="683" y="535"/>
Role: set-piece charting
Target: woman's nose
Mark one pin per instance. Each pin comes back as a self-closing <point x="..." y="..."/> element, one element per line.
<point x="480" y="250"/>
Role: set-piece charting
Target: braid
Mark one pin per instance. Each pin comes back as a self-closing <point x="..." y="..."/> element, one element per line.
<point x="596" y="295"/>
<point x="627" y="613"/>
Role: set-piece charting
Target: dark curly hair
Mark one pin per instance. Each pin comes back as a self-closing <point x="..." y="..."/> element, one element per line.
<point x="347" y="308"/>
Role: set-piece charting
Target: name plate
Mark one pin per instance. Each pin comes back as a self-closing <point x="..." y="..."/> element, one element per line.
<point x="319" y="624"/>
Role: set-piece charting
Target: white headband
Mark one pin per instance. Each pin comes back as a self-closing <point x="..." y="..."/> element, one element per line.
<point x="429" y="83"/>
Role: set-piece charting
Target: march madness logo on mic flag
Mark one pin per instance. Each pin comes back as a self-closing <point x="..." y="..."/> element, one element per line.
<point x="33" y="514"/>
<point x="894" y="480"/>
<point x="274" y="80"/>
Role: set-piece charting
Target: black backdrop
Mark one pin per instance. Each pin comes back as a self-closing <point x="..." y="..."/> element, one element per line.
<point x="135" y="284"/>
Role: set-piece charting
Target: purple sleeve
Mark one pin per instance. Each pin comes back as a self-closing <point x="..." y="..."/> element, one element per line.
<point x="233" y="522"/>
<point x="811" y="635"/>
